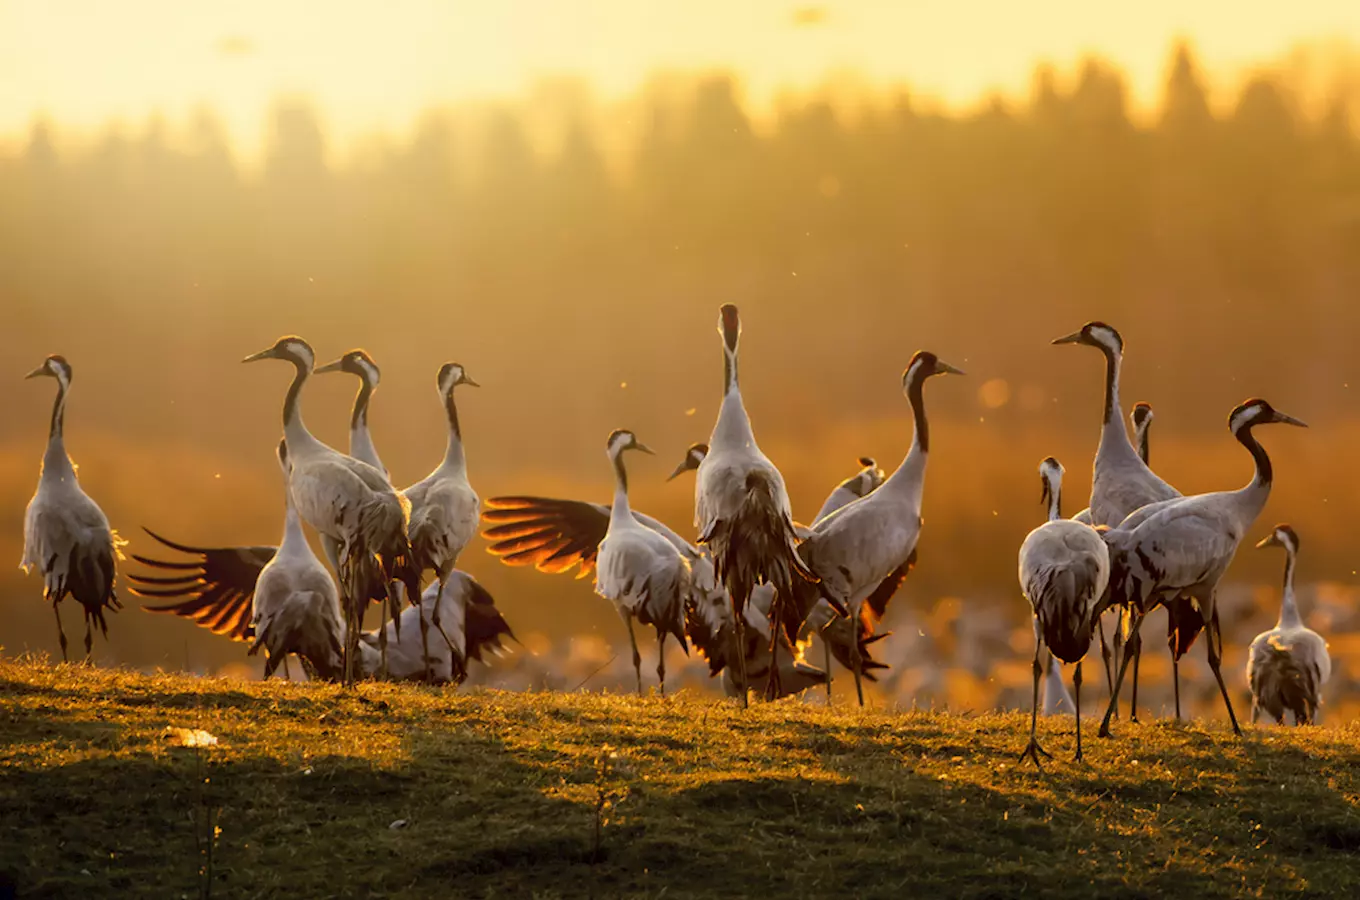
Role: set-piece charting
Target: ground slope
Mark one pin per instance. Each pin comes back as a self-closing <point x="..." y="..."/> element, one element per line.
<point x="415" y="792"/>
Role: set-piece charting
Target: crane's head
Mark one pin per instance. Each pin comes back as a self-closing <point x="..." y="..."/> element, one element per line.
<point x="869" y="478"/>
<point x="1095" y="334"/>
<point x="355" y="362"/>
<point x="693" y="457"/>
<point x="1051" y="474"/>
<point x="291" y="348"/>
<point x="622" y="439"/>
<point x="1283" y="536"/>
<point x="450" y="376"/>
<point x="729" y="326"/>
<point x="53" y="367"/>
<point x="923" y="365"/>
<point x="1258" y="412"/>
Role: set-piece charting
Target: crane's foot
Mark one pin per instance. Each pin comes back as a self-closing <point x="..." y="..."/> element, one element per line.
<point x="1032" y="751"/>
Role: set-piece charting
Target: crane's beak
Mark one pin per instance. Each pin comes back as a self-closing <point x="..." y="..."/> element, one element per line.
<point x="1073" y="338"/>
<point x="944" y="368"/>
<point x="638" y="445"/>
<point x="337" y="366"/>
<point x="37" y="373"/>
<point x="680" y="470"/>
<point x="263" y="354"/>
<point x="1269" y="540"/>
<point x="469" y="382"/>
<point x="1288" y="420"/>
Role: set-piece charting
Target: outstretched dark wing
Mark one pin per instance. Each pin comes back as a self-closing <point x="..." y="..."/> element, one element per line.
<point x="551" y="535"/>
<point x="864" y="628"/>
<point x="216" y="588"/>
<point x="877" y="602"/>
<point x="484" y="624"/>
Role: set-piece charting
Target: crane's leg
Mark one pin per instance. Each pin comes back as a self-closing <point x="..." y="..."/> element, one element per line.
<point x="637" y="656"/>
<point x="61" y="632"/>
<point x="382" y="638"/>
<point x="772" y="677"/>
<point x="1135" y="623"/>
<point x="1137" y="648"/>
<point x="855" y="662"/>
<point x="826" y="649"/>
<point x="89" y="637"/>
<point x="286" y="673"/>
<point x="1255" y="710"/>
<point x="425" y="641"/>
<point x="271" y="662"/>
<point x="661" y="660"/>
<point x="1076" y="699"/>
<point x="1215" y="647"/>
<point x="1105" y="654"/>
<point x="458" y="658"/>
<point x="739" y="635"/>
<point x="1032" y="749"/>
<point x="1176" y="682"/>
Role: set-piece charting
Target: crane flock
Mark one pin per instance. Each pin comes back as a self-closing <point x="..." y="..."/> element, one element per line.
<point x="749" y="593"/>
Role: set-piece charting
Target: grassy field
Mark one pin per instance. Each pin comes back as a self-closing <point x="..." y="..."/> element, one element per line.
<point x="403" y="791"/>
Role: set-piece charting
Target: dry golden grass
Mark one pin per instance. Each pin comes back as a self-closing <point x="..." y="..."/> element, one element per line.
<point x="403" y="791"/>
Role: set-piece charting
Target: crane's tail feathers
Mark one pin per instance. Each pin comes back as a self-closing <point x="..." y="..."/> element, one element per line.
<point x="756" y="545"/>
<point x="1280" y="683"/>
<point x="1184" y="622"/>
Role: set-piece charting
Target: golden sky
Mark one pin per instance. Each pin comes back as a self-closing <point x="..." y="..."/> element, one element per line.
<point x="371" y="65"/>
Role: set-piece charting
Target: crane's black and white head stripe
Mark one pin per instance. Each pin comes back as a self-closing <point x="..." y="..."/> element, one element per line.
<point x="729" y="326"/>
<point x="1096" y="334"/>
<point x="923" y="365"/>
<point x="1255" y="412"/>
<point x="1283" y="536"/>
<point x="622" y="439"/>
<point x="694" y="456"/>
<point x="291" y="348"/>
<point x="54" y="367"/>
<point x="356" y="362"/>
<point x="451" y="375"/>
<point x="1141" y="415"/>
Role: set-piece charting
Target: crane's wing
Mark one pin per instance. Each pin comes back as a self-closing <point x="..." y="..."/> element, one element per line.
<point x="485" y="625"/>
<point x="877" y="602"/>
<point x="217" y="588"/>
<point x="551" y="535"/>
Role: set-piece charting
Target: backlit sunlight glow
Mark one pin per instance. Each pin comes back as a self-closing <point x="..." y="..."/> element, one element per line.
<point x="376" y="68"/>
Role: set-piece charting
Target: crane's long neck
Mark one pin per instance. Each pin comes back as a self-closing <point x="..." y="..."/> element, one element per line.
<point x="1054" y="499"/>
<point x="293" y="537"/>
<point x="734" y="426"/>
<point x="1143" y="445"/>
<point x="1113" y="434"/>
<point x="293" y="428"/>
<point x="621" y="507"/>
<point x="1265" y="474"/>
<point x="361" y="445"/>
<point x="1289" y="607"/>
<point x="911" y="472"/>
<point x="56" y="464"/>
<point x="454" y="457"/>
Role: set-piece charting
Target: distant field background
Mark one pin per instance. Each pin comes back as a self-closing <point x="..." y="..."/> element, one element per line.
<point x="572" y="252"/>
